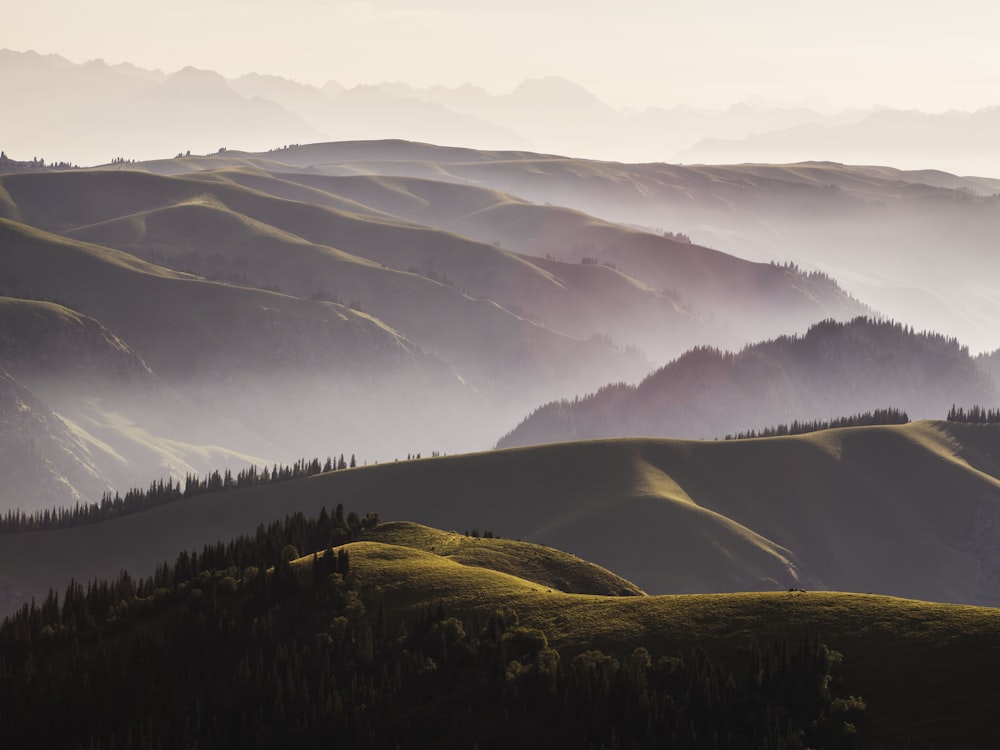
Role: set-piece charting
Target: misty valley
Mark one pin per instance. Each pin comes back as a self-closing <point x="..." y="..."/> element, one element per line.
<point x="391" y="444"/>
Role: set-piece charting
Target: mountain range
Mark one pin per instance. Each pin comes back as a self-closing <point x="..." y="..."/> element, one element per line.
<point x="123" y="111"/>
<point x="267" y="307"/>
<point x="749" y="490"/>
<point x="833" y="369"/>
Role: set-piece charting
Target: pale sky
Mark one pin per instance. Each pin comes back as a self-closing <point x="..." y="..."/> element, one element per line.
<point x="927" y="54"/>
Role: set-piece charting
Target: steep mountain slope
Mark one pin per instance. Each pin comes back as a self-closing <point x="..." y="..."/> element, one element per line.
<point x="902" y="510"/>
<point x="44" y="343"/>
<point x="834" y="369"/>
<point x="43" y="463"/>
<point x="125" y="423"/>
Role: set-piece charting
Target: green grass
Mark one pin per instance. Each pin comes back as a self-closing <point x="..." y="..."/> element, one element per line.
<point x="903" y="510"/>
<point x="926" y="671"/>
<point x="541" y="565"/>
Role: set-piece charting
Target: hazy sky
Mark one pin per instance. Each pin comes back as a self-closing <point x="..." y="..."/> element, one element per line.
<point x="928" y="54"/>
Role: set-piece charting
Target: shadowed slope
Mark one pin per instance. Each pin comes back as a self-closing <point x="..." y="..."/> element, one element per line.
<point x="187" y="322"/>
<point x="42" y="462"/>
<point x="878" y="230"/>
<point x="834" y="369"/>
<point x="127" y="423"/>
<point x="897" y="510"/>
<point x="214" y="227"/>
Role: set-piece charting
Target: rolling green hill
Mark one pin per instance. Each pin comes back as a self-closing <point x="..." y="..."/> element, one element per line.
<point x="923" y="669"/>
<point x="899" y="510"/>
<point x="443" y="616"/>
<point x="541" y="565"/>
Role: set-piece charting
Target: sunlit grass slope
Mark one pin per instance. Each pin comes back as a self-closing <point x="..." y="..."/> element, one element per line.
<point x="926" y="671"/>
<point x="539" y="564"/>
<point x="904" y="510"/>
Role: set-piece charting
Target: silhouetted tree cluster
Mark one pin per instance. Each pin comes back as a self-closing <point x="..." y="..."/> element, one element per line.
<point x="866" y="419"/>
<point x="162" y="492"/>
<point x="237" y="647"/>
<point x="976" y="415"/>
<point x="13" y="165"/>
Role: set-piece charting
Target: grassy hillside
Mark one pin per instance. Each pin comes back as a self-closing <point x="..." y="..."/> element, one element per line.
<point x="476" y="305"/>
<point x="251" y="373"/>
<point x="44" y="341"/>
<point x="541" y="565"/>
<point x="902" y="510"/>
<point x="187" y="324"/>
<point x="410" y="225"/>
<point x="749" y="297"/>
<point x="921" y="673"/>
<point x="923" y="669"/>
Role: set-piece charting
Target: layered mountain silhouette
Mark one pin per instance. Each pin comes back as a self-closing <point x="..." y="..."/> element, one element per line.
<point x="881" y="232"/>
<point x="275" y="305"/>
<point x="834" y="369"/>
<point x="549" y="114"/>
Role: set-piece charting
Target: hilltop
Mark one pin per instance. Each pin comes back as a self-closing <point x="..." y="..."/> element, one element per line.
<point x="379" y="639"/>
<point x="901" y="510"/>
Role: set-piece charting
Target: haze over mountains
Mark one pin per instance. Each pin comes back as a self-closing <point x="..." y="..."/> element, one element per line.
<point x="834" y="369"/>
<point x="906" y="510"/>
<point x="384" y="298"/>
<point x="661" y="410"/>
<point x="125" y="111"/>
<point x="269" y="306"/>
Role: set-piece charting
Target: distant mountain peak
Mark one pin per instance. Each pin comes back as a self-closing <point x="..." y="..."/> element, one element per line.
<point x="191" y="77"/>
